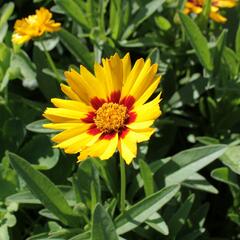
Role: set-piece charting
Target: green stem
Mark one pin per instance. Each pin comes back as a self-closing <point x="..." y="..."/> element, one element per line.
<point x="51" y="63"/>
<point x="123" y="184"/>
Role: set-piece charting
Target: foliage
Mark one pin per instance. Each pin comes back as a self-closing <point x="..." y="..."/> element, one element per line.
<point x="184" y="183"/>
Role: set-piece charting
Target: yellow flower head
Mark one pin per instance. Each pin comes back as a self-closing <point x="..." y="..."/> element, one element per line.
<point x="196" y="6"/>
<point x="108" y="110"/>
<point x="34" y="26"/>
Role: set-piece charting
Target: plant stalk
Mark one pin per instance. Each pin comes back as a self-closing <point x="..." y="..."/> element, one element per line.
<point x="51" y="63"/>
<point x="123" y="184"/>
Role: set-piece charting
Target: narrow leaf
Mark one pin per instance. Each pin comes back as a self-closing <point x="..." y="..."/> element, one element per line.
<point x="51" y="197"/>
<point x="237" y="42"/>
<point x="142" y="14"/>
<point x="225" y="175"/>
<point x="37" y="127"/>
<point x="187" y="162"/>
<point x="6" y="12"/>
<point x="156" y="222"/>
<point x="180" y="217"/>
<point x="102" y="227"/>
<point x="74" y="11"/>
<point x="198" y="41"/>
<point x="141" y="211"/>
<point x="147" y="176"/>
<point x="76" y="48"/>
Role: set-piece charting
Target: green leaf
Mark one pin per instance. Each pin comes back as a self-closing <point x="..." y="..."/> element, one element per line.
<point x="147" y="176"/>
<point x="207" y="8"/>
<point x="225" y="175"/>
<point x="48" y="85"/>
<point x="237" y="42"/>
<point x="37" y="127"/>
<point x="116" y="18"/>
<point x="13" y="132"/>
<point x="5" y="59"/>
<point x="72" y="8"/>
<point x="86" y="184"/>
<point x="137" y="182"/>
<point x="8" y="180"/>
<point x="189" y="93"/>
<point x="144" y="209"/>
<point x="198" y="182"/>
<point x="179" y="219"/>
<point x="51" y="197"/>
<point x="162" y="23"/>
<point x="198" y="217"/>
<point x="108" y="170"/>
<point x="232" y="61"/>
<point x="49" y="42"/>
<point x="141" y="15"/>
<point x="5" y="13"/>
<point x="102" y="226"/>
<point x="26" y="197"/>
<point x="231" y="158"/>
<point x="198" y="41"/>
<point x="43" y="158"/>
<point x="76" y="48"/>
<point x="218" y="53"/>
<point x="193" y="235"/>
<point x="156" y="222"/>
<point x="27" y="69"/>
<point x="82" y="236"/>
<point x="64" y="233"/>
<point x="187" y="162"/>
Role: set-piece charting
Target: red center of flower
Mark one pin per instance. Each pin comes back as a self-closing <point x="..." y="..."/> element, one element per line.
<point x="111" y="117"/>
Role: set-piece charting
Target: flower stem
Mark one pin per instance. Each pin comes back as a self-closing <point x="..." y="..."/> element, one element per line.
<point x="123" y="184"/>
<point x="51" y="63"/>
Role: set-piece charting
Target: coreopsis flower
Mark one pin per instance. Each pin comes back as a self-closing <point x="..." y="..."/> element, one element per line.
<point x="108" y="110"/>
<point x="34" y="26"/>
<point x="196" y="6"/>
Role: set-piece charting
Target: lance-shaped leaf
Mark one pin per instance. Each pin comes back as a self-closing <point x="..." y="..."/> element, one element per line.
<point x="198" y="41"/>
<point x="102" y="227"/>
<point x="50" y="196"/>
<point x="141" y="211"/>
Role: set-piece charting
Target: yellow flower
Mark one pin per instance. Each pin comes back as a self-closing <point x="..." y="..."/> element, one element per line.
<point x="196" y="6"/>
<point x="108" y="110"/>
<point x="34" y="26"/>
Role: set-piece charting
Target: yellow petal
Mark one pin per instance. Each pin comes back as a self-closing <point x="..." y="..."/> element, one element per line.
<point x="70" y="133"/>
<point x="148" y="93"/>
<point x="197" y="9"/>
<point x="140" y="125"/>
<point x="63" y="126"/>
<point x="66" y="113"/>
<point x="186" y="10"/>
<point x="69" y="92"/>
<point x="82" y="143"/>
<point x="148" y="111"/>
<point x="110" y="149"/>
<point x="76" y="139"/>
<point x="143" y="134"/>
<point x="225" y="3"/>
<point x="126" y="63"/>
<point x="217" y="17"/>
<point x="74" y="81"/>
<point x="56" y="119"/>
<point x="95" y="85"/>
<point x="113" y="73"/>
<point x="132" y="77"/>
<point x="128" y="147"/>
<point x="71" y="104"/>
<point x="96" y="150"/>
<point x="144" y="80"/>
